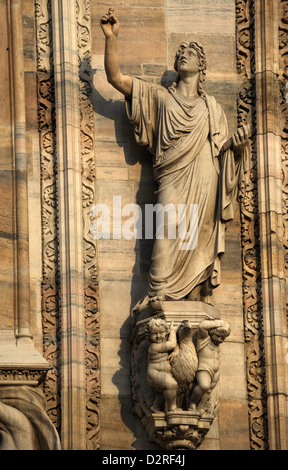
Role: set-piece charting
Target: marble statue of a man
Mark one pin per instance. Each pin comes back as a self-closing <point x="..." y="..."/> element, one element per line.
<point x="194" y="164"/>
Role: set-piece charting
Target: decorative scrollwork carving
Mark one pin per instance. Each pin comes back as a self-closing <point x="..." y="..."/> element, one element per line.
<point x="89" y="246"/>
<point x="283" y="80"/>
<point x="50" y="284"/>
<point x="253" y="334"/>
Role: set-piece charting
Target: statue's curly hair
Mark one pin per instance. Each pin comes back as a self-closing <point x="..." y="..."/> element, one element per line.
<point x="202" y="62"/>
<point x="222" y="331"/>
<point x="159" y="322"/>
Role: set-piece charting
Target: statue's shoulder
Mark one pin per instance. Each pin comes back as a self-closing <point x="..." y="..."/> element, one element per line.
<point x="215" y="109"/>
<point x="211" y="101"/>
<point x="154" y="86"/>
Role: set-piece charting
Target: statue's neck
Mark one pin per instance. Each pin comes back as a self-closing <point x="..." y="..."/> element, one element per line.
<point x="188" y="85"/>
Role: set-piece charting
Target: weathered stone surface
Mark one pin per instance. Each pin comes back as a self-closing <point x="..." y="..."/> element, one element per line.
<point x="222" y="83"/>
<point x="120" y="429"/>
<point x="247" y="61"/>
<point x="231" y="437"/>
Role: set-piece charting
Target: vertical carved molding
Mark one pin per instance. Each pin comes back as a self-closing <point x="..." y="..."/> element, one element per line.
<point x="250" y="237"/>
<point x="92" y="352"/>
<point x="264" y="294"/>
<point x="269" y="163"/>
<point x="66" y="129"/>
<point x="50" y="274"/>
<point x="283" y="80"/>
<point x="70" y="230"/>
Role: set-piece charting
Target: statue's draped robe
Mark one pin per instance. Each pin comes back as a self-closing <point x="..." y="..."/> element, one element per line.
<point x="186" y="138"/>
<point x="24" y="423"/>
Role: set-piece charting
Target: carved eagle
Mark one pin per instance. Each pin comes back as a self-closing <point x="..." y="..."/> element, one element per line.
<point x="184" y="360"/>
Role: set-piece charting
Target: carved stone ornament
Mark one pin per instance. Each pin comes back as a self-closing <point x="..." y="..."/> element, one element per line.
<point x="175" y="371"/>
<point x="78" y="16"/>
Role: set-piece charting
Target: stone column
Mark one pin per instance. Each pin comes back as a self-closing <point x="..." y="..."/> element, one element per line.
<point x="17" y="351"/>
<point x="270" y="218"/>
<point x="69" y="190"/>
<point x="23" y="326"/>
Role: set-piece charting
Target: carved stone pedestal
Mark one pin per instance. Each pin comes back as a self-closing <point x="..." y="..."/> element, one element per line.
<point x="20" y="363"/>
<point x="24" y="423"/>
<point x="186" y="425"/>
<point x="181" y="430"/>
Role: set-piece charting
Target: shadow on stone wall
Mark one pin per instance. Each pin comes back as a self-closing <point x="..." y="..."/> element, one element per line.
<point x="144" y="193"/>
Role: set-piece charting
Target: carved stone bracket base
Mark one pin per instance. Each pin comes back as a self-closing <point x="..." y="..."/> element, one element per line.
<point x="185" y="427"/>
<point x="181" y="430"/>
<point x="175" y="311"/>
<point x="24" y="423"/>
<point x="21" y="363"/>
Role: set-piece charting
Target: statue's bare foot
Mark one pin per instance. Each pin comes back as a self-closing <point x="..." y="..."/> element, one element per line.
<point x="207" y="413"/>
<point x="174" y="408"/>
<point x="193" y="409"/>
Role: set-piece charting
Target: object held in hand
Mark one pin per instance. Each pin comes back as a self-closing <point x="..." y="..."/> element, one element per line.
<point x="108" y="17"/>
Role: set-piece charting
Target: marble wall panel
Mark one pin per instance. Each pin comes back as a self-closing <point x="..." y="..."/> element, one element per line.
<point x="233" y="423"/>
<point x="120" y="429"/>
<point x="7" y="229"/>
<point x="198" y="17"/>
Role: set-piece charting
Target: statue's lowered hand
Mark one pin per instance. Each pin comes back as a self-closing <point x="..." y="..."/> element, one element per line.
<point x="110" y="24"/>
<point x="240" y="139"/>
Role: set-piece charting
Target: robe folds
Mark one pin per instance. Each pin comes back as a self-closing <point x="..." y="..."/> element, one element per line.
<point x="186" y="138"/>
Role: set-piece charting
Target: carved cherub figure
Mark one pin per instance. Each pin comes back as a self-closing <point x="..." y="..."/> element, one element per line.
<point x="211" y="333"/>
<point x="162" y="341"/>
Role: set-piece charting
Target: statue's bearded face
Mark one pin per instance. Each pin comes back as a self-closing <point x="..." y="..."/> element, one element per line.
<point x="188" y="61"/>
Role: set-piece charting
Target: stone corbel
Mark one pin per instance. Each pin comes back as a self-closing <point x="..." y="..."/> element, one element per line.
<point x="184" y="425"/>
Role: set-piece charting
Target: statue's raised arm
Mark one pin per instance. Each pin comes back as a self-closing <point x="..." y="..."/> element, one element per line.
<point x="110" y="27"/>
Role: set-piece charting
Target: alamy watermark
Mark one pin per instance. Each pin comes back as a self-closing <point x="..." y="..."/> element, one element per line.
<point x="154" y="221"/>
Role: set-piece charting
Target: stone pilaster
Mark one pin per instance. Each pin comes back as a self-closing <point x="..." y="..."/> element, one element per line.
<point x="270" y="195"/>
<point x="70" y="237"/>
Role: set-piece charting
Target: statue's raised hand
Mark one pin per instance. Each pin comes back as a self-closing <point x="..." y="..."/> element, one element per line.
<point x="110" y="27"/>
<point x="110" y="24"/>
